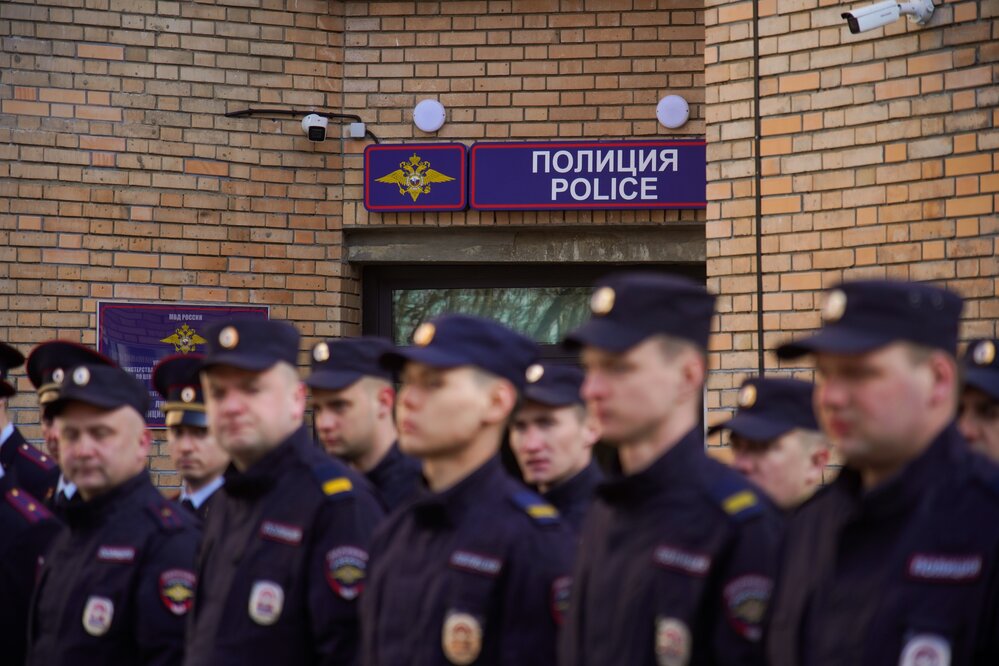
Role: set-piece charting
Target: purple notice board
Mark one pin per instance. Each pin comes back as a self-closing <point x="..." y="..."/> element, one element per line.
<point x="588" y="175"/>
<point x="414" y="177"/>
<point x="137" y="336"/>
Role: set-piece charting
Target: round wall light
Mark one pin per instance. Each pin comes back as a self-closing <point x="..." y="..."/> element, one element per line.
<point x="672" y="111"/>
<point x="429" y="115"/>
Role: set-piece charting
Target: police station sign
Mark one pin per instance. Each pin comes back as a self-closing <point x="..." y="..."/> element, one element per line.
<point x="588" y="175"/>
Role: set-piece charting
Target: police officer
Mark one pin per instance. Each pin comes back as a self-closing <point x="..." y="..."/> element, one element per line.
<point x="29" y="468"/>
<point x="26" y="530"/>
<point x="353" y="400"/>
<point x="118" y="583"/>
<point x="47" y="366"/>
<point x="552" y="438"/>
<point x="475" y="569"/>
<point x="897" y="561"/>
<point x="286" y="542"/>
<point x="775" y="439"/>
<point x="979" y="414"/>
<point x="677" y="555"/>
<point x="196" y="455"/>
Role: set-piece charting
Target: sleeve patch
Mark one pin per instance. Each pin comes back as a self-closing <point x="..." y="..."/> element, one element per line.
<point x="346" y="567"/>
<point x="746" y="601"/>
<point x="177" y="590"/>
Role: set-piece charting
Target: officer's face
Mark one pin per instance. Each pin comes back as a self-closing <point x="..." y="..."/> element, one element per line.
<point x="979" y="421"/>
<point x="346" y="419"/>
<point x="250" y="412"/>
<point x="51" y="441"/>
<point x="551" y="444"/>
<point x="101" y="449"/>
<point x="788" y="468"/>
<point x="440" y="412"/>
<point x="196" y="455"/>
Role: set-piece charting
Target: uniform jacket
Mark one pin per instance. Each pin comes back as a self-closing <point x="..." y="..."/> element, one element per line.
<point x="573" y="497"/>
<point x="397" y="477"/>
<point x="29" y="468"/>
<point x="675" y="566"/>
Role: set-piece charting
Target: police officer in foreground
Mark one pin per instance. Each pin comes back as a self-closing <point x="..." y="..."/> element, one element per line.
<point x="195" y="454"/>
<point x="118" y="583"/>
<point x="353" y="400"/>
<point x="678" y="555"/>
<point x="897" y="561"/>
<point x="775" y="439"/>
<point x="979" y="412"/>
<point x="552" y="438"/>
<point x="474" y="570"/>
<point x="286" y="542"/>
<point x="29" y="468"/>
<point x="47" y="366"/>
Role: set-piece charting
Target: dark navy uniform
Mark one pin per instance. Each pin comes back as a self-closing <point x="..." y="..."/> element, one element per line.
<point x="573" y="497"/>
<point x="678" y="558"/>
<point x="26" y="530"/>
<point x="397" y="478"/>
<point x="485" y="557"/>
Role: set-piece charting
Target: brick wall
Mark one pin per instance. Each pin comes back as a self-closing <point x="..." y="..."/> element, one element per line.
<point x="880" y="154"/>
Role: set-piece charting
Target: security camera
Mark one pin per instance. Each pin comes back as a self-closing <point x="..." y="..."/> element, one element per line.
<point x="882" y="13"/>
<point x="315" y="126"/>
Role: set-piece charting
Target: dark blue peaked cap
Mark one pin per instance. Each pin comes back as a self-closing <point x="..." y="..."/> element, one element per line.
<point x="103" y="386"/>
<point x="629" y="307"/>
<point x="770" y="407"/>
<point x="454" y="340"/>
<point x="177" y="379"/>
<point x="336" y="364"/>
<point x="981" y="366"/>
<point x="251" y="344"/>
<point x="10" y="358"/>
<point x="864" y="315"/>
<point x="554" y="385"/>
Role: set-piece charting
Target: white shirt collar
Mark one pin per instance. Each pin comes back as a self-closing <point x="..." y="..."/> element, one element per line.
<point x="65" y="487"/>
<point x="198" y="497"/>
<point x="6" y="433"/>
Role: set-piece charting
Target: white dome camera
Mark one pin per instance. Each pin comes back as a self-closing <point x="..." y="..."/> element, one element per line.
<point x="314" y="125"/>
<point x="881" y="14"/>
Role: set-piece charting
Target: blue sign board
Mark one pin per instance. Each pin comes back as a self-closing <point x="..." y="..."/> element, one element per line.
<point x="137" y="336"/>
<point x="588" y="175"/>
<point x="415" y="177"/>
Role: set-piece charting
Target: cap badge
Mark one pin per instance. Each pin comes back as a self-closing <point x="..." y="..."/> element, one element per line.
<point x="321" y="352"/>
<point x="834" y="306"/>
<point x="747" y="396"/>
<point x="424" y="334"/>
<point x="188" y="394"/>
<point x="602" y="300"/>
<point x="229" y="337"/>
<point x="984" y="353"/>
<point x="58" y="375"/>
<point x="81" y="376"/>
<point x="461" y="639"/>
<point x="534" y="373"/>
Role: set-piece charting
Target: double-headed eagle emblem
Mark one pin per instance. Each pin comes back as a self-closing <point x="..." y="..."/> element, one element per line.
<point x="185" y="340"/>
<point x="414" y="177"/>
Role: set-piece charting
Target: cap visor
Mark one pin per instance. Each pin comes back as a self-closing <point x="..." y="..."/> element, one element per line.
<point x="753" y="427"/>
<point x="331" y="380"/>
<point x="431" y="356"/>
<point x="834" y="340"/>
<point x="6" y="389"/>
<point x="549" y="398"/>
<point x="239" y="360"/>
<point x="986" y="381"/>
<point x="604" y="334"/>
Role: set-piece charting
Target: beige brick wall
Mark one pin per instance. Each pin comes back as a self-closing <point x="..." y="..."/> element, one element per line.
<point x="880" y="154"/>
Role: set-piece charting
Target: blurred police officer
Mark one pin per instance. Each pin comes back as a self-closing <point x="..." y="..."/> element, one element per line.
<point x="552" y="438"/>
<point x="29" y="468"/>
<point x="473" y="571"/>
<point x="286" y="542"/>
<point x="47" y="366"/>
<point x="979" y="415"/>
<point x="196" y="455"/>
<point x="118" y="583"/>
<point x="896" y="561"/>
<point x="677" y="556"/>
<point x="353" y="400"/>
<point x="775" y="439"/>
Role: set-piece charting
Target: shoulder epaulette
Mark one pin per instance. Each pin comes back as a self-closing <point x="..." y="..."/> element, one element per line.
<point x="333" y="481"/>
<point x="29" y="507"/>
<point x="541" y="511"/>
<point x="167" y="516"/>
<point x="736" y="498"/>
<point x="37" y="457"/>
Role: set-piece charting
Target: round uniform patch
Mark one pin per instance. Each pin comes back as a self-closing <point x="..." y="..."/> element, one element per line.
<point x="321" y="352"/>
<point x="461" y="639"/>
<point x="534" y="373"/>
<point x="746" y="600"/>
<point x="188" y="394"/>
<point x="58" y="375"/>
<point x="345" y="570"/>
<point x="602" y="300"/>
<point x="424" y="334"/>
<point x="672" y="642"/>
<point x="561" y="596"/>
<point x="81" y="376"/>
<point x="747" y="396"/>
<point x="984" y="353"/>
<point x="925" y="650"/>
<point x="229" y="337"/>
<point x="98" y="615"/>
<point x="266" y="602"/>
<point x="834" y="306"/>
<point x="177" y="590"/>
